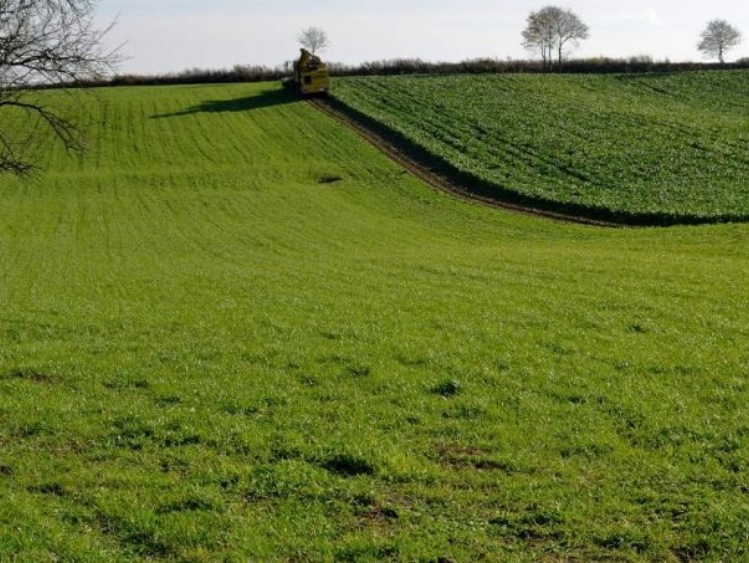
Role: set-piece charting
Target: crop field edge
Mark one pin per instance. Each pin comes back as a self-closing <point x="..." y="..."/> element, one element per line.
<point x="418" y="161"/>
<point x="468" y="185"/>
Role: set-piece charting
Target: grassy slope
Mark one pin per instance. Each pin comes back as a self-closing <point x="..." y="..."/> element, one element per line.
<point x="206" y="353"/>
<point x="645" y="148"/>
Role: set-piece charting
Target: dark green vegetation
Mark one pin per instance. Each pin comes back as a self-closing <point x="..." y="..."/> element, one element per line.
<point x="644" y="148"/>
<point x="235" y="331"/>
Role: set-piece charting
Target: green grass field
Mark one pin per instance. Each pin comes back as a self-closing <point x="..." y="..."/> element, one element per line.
<point x="235" y="332"/>
<point x="653" y="148"/>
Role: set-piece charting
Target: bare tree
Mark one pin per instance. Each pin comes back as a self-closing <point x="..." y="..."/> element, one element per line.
<point x="313" y="39"/>
<point x="552" y="29"/>
<point x="719" y="36"/>
<point x="539" y="36"/>
<point x="44" y="43"/>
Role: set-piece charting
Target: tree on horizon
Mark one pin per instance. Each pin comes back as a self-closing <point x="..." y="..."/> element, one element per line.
<point x="718" y="38"/>
<point x="551" y="30"/>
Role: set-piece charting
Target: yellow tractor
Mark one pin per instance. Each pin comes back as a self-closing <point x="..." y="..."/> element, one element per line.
<point x="311" y="76"/>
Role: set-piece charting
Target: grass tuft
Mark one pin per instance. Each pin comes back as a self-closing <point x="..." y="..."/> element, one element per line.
<point x="447" y="388"/>
<point x="348" y="465"/>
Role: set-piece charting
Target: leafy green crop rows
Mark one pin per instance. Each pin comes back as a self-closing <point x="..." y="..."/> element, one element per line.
<point x="648" y="148"/>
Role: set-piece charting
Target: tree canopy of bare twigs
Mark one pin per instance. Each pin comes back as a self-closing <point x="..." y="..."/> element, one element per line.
<point x="313" y="39"/>
<point x="718" y="38"/>
<point x="551" y="30"/>
<point x="44" y="43"/>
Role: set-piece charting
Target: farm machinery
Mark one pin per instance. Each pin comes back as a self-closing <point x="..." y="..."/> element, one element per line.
<point x="311" y="76"/>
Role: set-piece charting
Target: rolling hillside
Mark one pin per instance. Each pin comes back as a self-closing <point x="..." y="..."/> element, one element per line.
<point x="235" y="331"/>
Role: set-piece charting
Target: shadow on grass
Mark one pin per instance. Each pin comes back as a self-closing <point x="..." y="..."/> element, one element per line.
<point x="263" y="100"/>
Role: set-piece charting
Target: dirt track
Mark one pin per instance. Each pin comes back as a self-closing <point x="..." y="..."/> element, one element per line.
<point x="440" y="181"/>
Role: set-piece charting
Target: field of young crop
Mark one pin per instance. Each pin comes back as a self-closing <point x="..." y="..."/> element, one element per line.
<point x="235" y="332"/>
<point x="633" y="148"/>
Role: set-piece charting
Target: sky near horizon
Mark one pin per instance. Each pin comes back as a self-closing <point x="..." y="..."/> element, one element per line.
<point x="163" y="36"/>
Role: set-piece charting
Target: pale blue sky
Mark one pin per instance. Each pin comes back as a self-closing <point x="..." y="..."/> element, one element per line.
<point x="171" y="35"/>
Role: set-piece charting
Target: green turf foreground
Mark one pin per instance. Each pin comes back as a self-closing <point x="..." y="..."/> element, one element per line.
<point x="236" y="332"/>
<point x="649" y="149"/>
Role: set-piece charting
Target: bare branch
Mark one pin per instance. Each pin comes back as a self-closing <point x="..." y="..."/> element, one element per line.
<point x="46" y="43"/>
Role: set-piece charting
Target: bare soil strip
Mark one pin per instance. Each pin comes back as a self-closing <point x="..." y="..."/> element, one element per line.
<point x="439" y="180"/>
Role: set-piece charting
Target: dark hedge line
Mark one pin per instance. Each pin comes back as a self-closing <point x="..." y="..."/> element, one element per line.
<point x="256" y="73"/>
